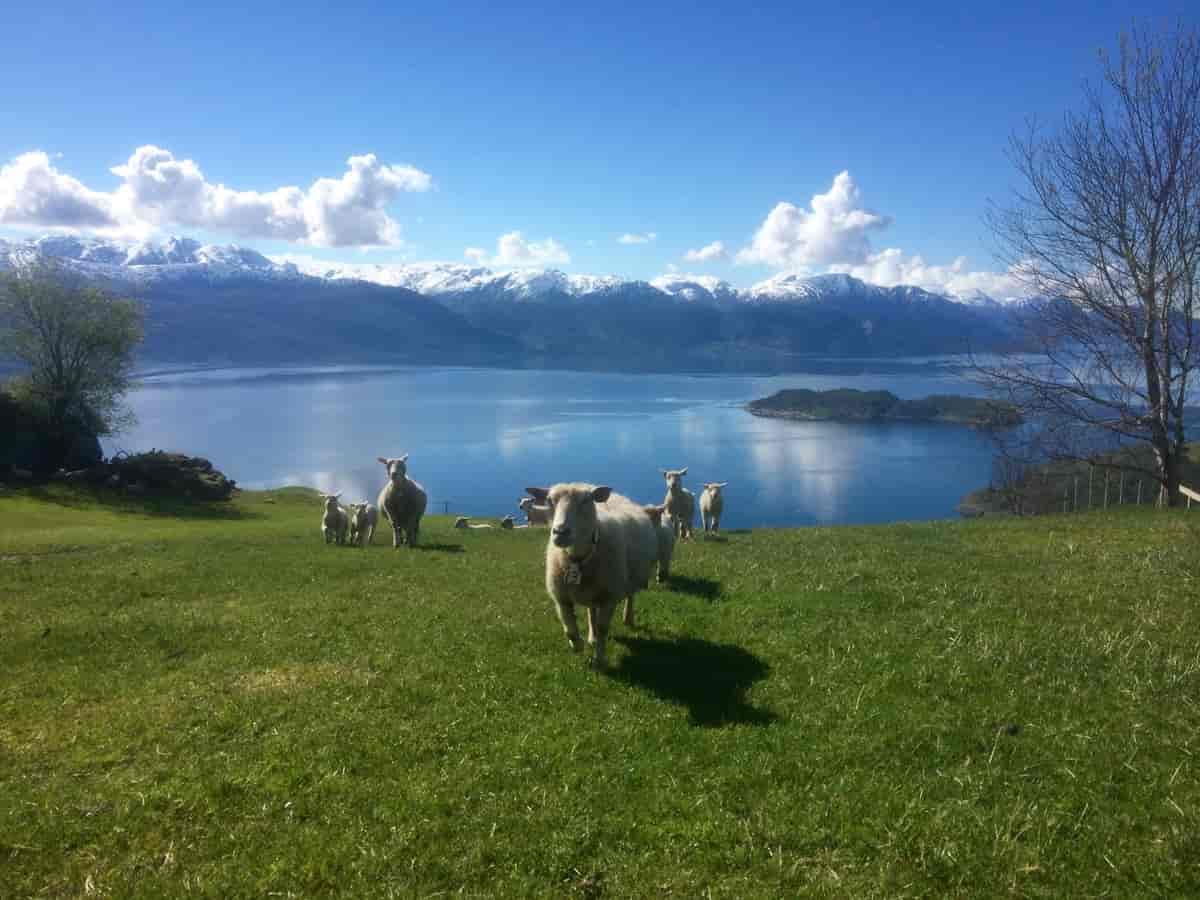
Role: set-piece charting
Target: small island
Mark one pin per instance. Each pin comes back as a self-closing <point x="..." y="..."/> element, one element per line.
<point x="849" y="405"/>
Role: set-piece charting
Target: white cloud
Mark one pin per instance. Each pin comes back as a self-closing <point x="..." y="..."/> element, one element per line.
<point x="647" y="238"/>
<point x="833" y="231"/>
<point x="708" y="253"/>
<point x="160" y="191"/>
<point x="892" y="267"/>
<point x="33" y="193"/>
<point x="513" y="250"/>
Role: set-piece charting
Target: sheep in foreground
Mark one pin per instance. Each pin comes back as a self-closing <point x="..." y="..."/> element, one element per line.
<point x="465" y="522"/>
<point x="534" y="514"/>
<point x="602" y="547"/>
<point x="680" y="503"/>
<point x="363" y="517"/>
<point x="711" y="505"/>
<point x="666" y="540"/>
<point x="402" y="501"/>
<point x="334" y="520"/>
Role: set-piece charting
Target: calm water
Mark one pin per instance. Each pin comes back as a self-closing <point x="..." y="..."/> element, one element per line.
<point x="477" y="437"/>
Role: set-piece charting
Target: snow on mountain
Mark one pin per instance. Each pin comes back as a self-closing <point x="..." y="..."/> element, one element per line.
<point x="179" y="257"/>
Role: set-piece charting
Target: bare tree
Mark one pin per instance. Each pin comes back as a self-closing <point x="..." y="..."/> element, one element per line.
<point x="1105" y="232"/>
<point x="77" y="343"/>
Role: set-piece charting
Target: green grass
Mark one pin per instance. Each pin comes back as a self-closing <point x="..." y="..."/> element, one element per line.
<point x="221" y="706"/>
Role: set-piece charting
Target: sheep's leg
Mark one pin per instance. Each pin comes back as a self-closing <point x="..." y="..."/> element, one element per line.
<point x="704" y="521"/>
<point x="664" y="570"/>
<point x="566" y="615"/>
<point x="716" y="524"/>
<point x="412" y="533"/>
<point x="397" y="537"/>
<point x="599" y="618"/>
<point x="627" y="617"/>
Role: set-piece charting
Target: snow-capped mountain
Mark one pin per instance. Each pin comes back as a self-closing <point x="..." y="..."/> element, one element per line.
<point x="526" y="317"/>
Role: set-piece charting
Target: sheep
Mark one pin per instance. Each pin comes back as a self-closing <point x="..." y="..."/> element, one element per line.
<point x="666" y="540"/>
<point x="534" y="514"/>
<point x="711" y="504"/>
<point x="465" y="522"/>
<point x="363" y="518"/>
<point x="602" y="547"/>
<point x="402" y="501"/>
<point x="334" y="521"/>
<point x="509" y="523"/>
<point x="680" y="503"/>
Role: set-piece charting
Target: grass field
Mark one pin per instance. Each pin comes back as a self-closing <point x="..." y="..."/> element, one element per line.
<point x="214" y="704"/>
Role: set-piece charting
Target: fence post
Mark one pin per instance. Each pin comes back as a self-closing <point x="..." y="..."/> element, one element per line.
<point x="1106" y="488"/>
<point x="1091" y="473"/>
<point x="1076" y="509"/>
<point x="1139" y="503"/>
<point x="1066" y="499"/>
<point x="1121" y="491"/>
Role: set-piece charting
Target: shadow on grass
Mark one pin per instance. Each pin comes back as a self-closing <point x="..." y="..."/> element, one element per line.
<point x="738" y="531"/>
<point x="704" y="588"/>
<point x="710" y="679"/>
<point x="715" y="539"/>
<point x="149" y="505"/>
<point x="441" y="548"/>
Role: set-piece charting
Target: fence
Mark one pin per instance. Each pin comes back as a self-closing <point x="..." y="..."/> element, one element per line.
<point x="1071" y="493"/>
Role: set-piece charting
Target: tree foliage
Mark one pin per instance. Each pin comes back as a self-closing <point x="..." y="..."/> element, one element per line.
<point x="77" y="344"/>
<point x="1105" y="233"/>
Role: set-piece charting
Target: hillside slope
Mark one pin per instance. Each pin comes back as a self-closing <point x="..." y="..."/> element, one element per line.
<point x="210" y="699"/>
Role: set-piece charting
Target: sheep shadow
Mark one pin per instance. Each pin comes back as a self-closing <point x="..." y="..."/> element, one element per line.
<point x="709" y="679"/>
<point x="440" y="548"/>
<point x="711" y="538"/>
<point x="704" y="588"/>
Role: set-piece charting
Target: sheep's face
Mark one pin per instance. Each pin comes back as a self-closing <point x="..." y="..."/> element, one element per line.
<point x="525" y="504"/>
<point x="674" y="477"/>
<point x="574" y="525"/>
<point x="330" y="502"/>
<point x="397" y="467"/>
<point x="506" y="522"/>
<point x="714" y="487"/>
<point x="655" y="513"/>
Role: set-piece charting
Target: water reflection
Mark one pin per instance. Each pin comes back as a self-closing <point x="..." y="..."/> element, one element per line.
<point x="476" y="438"/>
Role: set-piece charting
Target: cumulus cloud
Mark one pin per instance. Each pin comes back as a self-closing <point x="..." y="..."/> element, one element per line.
<point x="708" y="253"/>
<point x="834" y="230"/>
<point x="892" y="267"/>
<point x="647" y="238"/>
<point x="159" y="190"/>
<point x="513" y="250"/>
<point x="34" y="193"/>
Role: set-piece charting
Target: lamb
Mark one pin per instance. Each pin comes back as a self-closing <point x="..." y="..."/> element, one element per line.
<point x="402" y="501"/>
<point x="534" y="514"/>
<point x="711" y="504"/>
<point x="602" y="547"/>
<point x="334" y="521"/>
<point x="666" y="540"/>
<point x="363" y="517"/>
<point x="680" y="503"/>
<point x="465" y="522"/>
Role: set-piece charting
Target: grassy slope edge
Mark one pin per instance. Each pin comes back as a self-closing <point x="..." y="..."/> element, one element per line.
<point x="218" y="705"/>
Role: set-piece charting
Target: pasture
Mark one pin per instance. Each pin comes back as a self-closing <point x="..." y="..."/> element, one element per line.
<point x="210" y="702"/>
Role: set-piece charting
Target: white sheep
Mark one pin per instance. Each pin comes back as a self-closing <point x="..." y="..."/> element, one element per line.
<point x="465" y="522"/>
<point x="602" y="547"/>
<point x="363" y="518"/>
<point x="711" y="505"/>
<point x="666" y="540"/>
<point x="534" y="514"/>
<point x="334" y="520"/>
<point x="680" y="503"/>
<point x="402" y="501"/>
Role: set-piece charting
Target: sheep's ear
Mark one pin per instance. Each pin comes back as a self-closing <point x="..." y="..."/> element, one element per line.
<point x="655" y="513"/>
<point x="337" y="496"/>
<point x="404" y="458"/>
<point x="537" y="493"/>
<point x="666" y="474"/>
<point x="683" y="471"/>
<point x="382" y="459"/>
<point x="601" y="493"/>
<point x="722" y="483"/>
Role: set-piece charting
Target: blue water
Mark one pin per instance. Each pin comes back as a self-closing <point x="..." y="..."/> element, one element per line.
<point x="477" y="437"/>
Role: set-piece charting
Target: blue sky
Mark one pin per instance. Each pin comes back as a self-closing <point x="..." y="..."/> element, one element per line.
<point x="687" y="122"/>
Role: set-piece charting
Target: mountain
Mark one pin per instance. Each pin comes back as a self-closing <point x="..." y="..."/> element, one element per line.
<point x="232" y="304"/>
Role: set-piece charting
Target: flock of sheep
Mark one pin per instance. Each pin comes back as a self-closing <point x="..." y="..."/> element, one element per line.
<point x="603" y="547"/>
